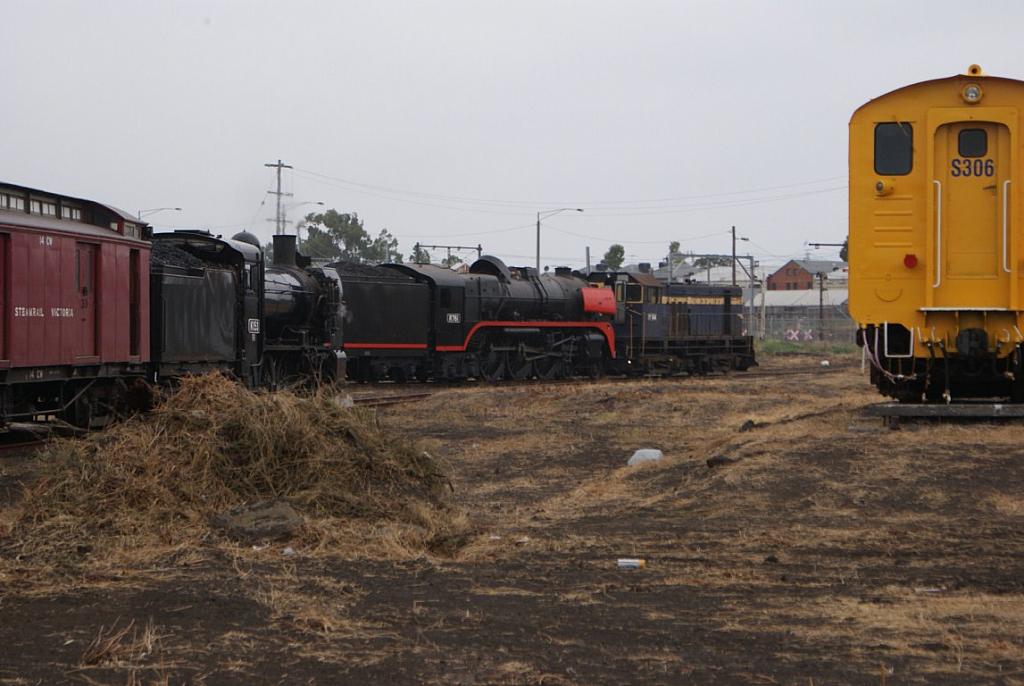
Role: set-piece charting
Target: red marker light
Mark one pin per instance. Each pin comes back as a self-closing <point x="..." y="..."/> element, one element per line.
<point x="910" y="261"/>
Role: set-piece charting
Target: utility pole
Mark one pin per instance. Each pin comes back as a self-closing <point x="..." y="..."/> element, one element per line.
<point x="588" y="259"/>
<point x="279" y="217"/>
<point x="752" y="320"/>
<point x="733" y="256"/>
<point x="821" y="306"/>
<point x="538" y="244"/>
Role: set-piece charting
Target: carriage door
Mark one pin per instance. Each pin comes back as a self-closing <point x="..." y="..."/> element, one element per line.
<point x="972" y="231"/>
<point x="85" y="282"/>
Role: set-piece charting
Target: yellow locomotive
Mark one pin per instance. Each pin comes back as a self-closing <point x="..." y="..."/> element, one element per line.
<point x="936" y="253"/>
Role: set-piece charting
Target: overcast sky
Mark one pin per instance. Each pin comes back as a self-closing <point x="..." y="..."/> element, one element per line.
<point x="455" y="122"/>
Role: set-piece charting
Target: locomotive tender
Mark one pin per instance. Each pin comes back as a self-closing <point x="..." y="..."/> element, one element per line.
<point x="94" y="305"/>
<point x="217" y="305"/>
<point x="936" y="261"/>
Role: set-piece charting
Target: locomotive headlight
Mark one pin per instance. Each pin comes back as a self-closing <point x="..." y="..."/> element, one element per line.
<point x="971" y="93"/>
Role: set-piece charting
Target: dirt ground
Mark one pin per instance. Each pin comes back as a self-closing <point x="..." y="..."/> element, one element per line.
<point x="823" y="549"/>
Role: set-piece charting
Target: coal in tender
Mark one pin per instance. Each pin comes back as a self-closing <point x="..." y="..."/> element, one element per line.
<point x="169" y="255"/>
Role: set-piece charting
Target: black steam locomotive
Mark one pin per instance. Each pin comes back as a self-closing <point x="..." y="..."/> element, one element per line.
<point x="215" y="304"/>
<point x="425" y="322"/>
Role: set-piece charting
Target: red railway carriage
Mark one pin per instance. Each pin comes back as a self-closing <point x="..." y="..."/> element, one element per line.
<point x="74" y="304"/>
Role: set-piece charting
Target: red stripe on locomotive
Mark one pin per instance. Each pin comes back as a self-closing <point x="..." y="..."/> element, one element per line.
<point x="602" y="327"/>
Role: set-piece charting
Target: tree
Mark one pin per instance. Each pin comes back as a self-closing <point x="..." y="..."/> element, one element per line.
<point x="335" y="235"/>
<point x="419" y="255"/>
<point x="341" y="236"/>
<point x="615" y="256"/>
<point x="714" y="261"/>
<point x="320" y="243"/>
<point x="674" y="258"/>
<point x="844" y="252"/>
<point x="383" y="248"/>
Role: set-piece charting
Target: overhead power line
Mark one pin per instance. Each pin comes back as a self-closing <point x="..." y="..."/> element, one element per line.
<point x="629" y="242"/>
<point x="618" y="207"/>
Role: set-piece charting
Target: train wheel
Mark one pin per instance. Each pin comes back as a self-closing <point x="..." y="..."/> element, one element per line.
<point x="518" y="367"/>
<point x="80" y="413"/>
<point x="272" y="376"/>
<point x="549" y="367"/>
<point x="492" y="365"/>
<point x="595" y="368"/>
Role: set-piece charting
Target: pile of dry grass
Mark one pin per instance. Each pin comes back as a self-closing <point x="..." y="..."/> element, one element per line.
<point x="214" y="445"/>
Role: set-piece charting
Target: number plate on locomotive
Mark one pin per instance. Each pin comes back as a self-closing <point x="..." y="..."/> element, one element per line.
<point x="972" y="167"/>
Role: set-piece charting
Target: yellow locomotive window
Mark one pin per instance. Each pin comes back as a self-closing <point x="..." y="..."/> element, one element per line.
<point x="973" y="143"/>
<point x="894" y="148"/>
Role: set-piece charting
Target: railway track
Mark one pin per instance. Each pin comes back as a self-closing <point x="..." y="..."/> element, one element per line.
<point x="393" y="399"/>
<point x="16" y="446"/>
<point x="396" y="391"/>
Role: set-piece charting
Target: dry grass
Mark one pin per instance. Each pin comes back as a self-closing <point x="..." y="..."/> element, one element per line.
<point x="136" y="651"/>
<point x="962" y="630"/>
<point x="825" y="553"/>
<point x="155" y="481"/>
<point x="120" y="646"/>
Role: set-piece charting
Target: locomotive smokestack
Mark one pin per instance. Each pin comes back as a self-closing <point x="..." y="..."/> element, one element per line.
<point x="284" y="250"/>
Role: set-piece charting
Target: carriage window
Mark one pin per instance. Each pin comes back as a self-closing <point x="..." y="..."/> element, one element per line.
<point x="634" y="293"/>
<point x="894" y="148"/>
<point x="973" y="143"/>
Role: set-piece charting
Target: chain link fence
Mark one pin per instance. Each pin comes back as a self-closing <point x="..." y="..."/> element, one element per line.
<point x="805" y="325"/>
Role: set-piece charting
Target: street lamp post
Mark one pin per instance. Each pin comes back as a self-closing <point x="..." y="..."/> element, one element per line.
<point x="549" y="213"/>
<point x="154" y="210"/>
<point x="734" y="239"/>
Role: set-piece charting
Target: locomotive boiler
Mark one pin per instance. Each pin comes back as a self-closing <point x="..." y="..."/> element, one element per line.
<point x="302" y="316"/>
